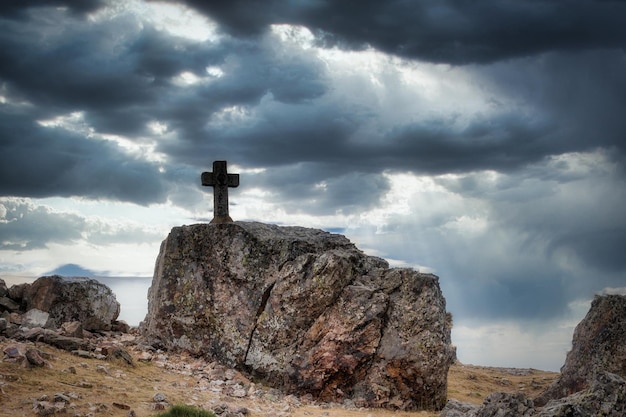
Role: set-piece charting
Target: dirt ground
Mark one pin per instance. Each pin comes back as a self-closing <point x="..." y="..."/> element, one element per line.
<point x="103" y="388"/>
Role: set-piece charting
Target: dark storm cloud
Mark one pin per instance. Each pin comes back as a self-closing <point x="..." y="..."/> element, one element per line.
<point x="19" y="9"/>
<point x="120" y="74"/>
<point x="37" y="161"/>
<point x="450" y="31"/>
<point x="117" y="71"/>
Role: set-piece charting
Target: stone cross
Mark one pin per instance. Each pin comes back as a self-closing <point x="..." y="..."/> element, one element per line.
<point x="220" y="180"/>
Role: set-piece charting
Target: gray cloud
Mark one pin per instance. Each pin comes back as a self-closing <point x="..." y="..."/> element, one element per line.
<point x="455" y="32"/>
<point x="553" y="73"/>
<point x="38" y="161"/>
<point x="24" y="226"/>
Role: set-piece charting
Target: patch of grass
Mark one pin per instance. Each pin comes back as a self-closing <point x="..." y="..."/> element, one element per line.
<point x="185" y="411"/>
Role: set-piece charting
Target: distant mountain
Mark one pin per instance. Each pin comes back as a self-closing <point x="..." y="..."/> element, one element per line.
<point x="72" y="270"/>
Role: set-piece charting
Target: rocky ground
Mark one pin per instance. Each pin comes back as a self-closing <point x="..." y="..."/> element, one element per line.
<point x="38" y="379"/>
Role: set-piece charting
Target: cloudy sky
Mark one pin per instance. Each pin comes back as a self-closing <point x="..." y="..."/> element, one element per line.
<point x="483" y="141"/>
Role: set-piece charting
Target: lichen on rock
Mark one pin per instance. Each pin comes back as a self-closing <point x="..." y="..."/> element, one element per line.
<point x="305" y="311"/>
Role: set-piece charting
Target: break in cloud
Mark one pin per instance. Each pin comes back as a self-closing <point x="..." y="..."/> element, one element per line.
<point x="481" y="140"/>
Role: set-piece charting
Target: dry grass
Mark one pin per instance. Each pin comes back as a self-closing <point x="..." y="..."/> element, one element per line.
<point x="103" y="388"/>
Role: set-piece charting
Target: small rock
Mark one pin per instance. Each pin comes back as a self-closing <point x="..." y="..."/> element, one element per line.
<point x="46" y="408"/>
<point x="58" y="398"/>
<point x="102" y="369"/>
<point x="14" y="351"/>
<point x="121" y="406"/>
<point x="116" y="352"/>
<point x="120" y="326"/>
<point x="159" y="397"/>
<point x="34" y="357"/>
<point x="72" y="329"/>
<point x="82" y="353"/>
<point x="159" y="406"/>
<point x="238" y="393"/>
<point x="85" y="384"/>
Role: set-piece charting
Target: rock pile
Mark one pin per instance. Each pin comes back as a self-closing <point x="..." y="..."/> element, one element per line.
<point x="304" y="311"/>
<point x="67" y="313"/>
<point x="52" y="301"/>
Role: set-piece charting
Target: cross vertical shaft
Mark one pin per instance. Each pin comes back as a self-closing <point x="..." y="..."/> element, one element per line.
<point x="220" y="180"/>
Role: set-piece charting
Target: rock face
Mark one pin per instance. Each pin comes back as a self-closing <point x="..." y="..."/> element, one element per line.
<point x="599" y="345"/>
<point x="73" y="299"/>
<point x="591" y="381"/>
<point x="305" y="311"/>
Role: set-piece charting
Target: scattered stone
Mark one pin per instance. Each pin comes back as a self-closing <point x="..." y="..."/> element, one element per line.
<point x="34" y="357"/>
<point x="456" y="408"/>
<point x="35" y="318"/>
<point x="7" y="304"/>
<point x="82" y="354"/>
<point x="15" y="318"/>
<point x="14" y="351"/>
<point x="120" y="326"/>
<point x="59" y="397"/>
<point x="72" y="329"/>
<point x="144" y="357"/>
<point x="159" y="397"/>
<point x="50" y="337"/>
<point x="102" y="369"/>
<point x="121" y="406"/>
<point x="46" y="408"/>
<point x="116" y="352"/>
<point x="159" y="406"/>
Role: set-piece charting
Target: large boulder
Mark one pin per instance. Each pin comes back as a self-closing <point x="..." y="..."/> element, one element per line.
<point x="598" y="345"/>
<point x="73" y="299"/>
<point x="606" y="396"/>
<point x="305" y="311"/>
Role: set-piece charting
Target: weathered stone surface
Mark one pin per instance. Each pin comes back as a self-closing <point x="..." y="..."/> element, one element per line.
<point x="16" y="292"/>
<point x="72" y="329"/>
<point x="455" y="408"/>
<point x="73" y="299"/>
<point x="496" y="404"/>
<point x="4" y="291"/>
<point x="7" y="304"/>
<point x="50" y="337"/>
<point x="35" y="318"/>
<point x="304" y="310"/>
<point x="502" y="404"/>
<point x="598" y="345"/>
<point x="34" y="357"/>
<point x="605" y="397"/>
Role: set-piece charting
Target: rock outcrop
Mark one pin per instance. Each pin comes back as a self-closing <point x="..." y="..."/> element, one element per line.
<point x="598" y="345"/>
<point x="303" y="310"/>
<point x="53" y="300"/>
<point x="591" y="381"/>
